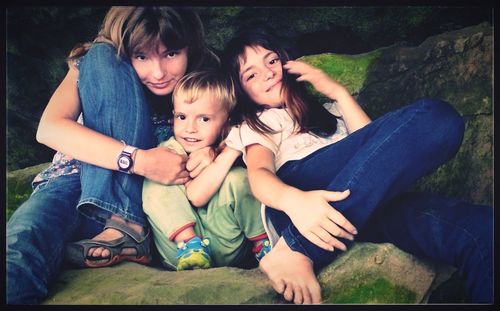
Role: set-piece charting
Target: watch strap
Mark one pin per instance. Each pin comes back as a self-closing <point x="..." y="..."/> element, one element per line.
<point x="127" y="152"/>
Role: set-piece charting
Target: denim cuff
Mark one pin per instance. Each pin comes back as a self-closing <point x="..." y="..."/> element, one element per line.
<point x="291" y="236"/>
<point x="299" y="243"/>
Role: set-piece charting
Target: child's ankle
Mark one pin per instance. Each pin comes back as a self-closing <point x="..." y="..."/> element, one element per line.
<point x="261" y="248"/>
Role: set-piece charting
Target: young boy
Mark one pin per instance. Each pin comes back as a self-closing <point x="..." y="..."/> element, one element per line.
<point x="208" y="221"/>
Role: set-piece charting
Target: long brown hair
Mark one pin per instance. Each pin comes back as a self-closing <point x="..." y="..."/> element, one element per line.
<point x="131" y="28"/>
<point x="307" y="113"/>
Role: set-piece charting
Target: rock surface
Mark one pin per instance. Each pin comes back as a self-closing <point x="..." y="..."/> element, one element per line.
<point x="367" y="273"/>
<point x="456" y="67"/>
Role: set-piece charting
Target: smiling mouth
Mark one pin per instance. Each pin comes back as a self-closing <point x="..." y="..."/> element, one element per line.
<point x="160" y="85"/>
<point x="272" y="86"/>
<point x="191" y="140"/>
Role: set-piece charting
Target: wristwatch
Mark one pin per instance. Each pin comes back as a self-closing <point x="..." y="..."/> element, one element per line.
<point x="125" y="161"/>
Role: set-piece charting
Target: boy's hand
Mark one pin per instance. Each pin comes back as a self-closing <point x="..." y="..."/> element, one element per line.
<point x="319" y="80"/>
<point x="200" y="159"/>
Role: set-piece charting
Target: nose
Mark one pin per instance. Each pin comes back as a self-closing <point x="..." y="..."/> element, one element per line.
<point x="159" y="69"/>
<point x="190" y="126"/>
<point x="269" y="74"/>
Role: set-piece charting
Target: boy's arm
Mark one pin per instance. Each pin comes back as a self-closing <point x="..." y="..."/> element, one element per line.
<point x="201" y="189"/>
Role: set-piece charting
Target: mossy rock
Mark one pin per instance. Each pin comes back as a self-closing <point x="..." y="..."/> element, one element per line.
<point x="19" y="186"/>
<point x="366" y="273"/>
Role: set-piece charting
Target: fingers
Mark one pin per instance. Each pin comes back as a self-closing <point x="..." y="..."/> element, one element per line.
<point x="196" y="171"/>
<point x="314" y="238"/>
<point x="341" y="221"/>
<point x="328" y="238"/>
<point x="336" y="216"/>
<point x="333" y="229"/>
<point x="335" y="196"/>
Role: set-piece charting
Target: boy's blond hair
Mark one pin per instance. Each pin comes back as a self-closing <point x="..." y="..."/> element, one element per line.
<point x="199" y="83"/>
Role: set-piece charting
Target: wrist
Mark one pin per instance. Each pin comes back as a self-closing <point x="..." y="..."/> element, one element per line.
<point x="125" y="160"/>
<point x="339" y="94"/>
<point x="138" y="167"/>
<point x="285" y="203"/>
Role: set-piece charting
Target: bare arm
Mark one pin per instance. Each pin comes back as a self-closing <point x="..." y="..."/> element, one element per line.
<point x="352" y="113"/>
<point x="309" y="211"/>
<point x="59" y="130"/>
<point x="203" y="187"/>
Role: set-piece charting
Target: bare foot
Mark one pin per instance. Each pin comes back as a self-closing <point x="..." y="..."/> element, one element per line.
<point x="111" y="234"/>
<point x="291" y="274"/>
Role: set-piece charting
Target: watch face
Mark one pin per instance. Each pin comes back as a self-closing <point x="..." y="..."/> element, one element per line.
<point x="124" y="162"/>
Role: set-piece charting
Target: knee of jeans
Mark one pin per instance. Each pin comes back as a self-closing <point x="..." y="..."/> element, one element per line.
<point x="446" y="124"/>
<point x="102" y="62"/>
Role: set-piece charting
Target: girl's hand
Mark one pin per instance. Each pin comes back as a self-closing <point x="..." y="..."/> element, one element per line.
<point x="317" y="220"/>
<point x="161" y="165"/>
<point x="200" y="159"/>
<point x="319" y="80"/>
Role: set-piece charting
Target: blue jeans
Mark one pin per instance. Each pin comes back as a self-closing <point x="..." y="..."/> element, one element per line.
<point x="113" y="103"/>
<point x="376" y="163"/>
<point x="36" y="235"/>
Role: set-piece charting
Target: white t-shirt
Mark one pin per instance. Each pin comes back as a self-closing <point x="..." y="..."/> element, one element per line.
<point x="286" y="145"/>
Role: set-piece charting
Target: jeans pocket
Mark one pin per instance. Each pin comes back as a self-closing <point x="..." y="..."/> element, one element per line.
<point x="41" y="185"/>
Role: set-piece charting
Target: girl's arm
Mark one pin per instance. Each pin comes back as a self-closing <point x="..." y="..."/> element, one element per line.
<point x="201" y="189"/>
<point x="309" y="211"/>
<point x="59" y="130"/>
<point x="352" y="113"/>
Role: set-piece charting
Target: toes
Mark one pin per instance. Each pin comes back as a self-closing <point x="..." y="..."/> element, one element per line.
<point x="279" y="286"/>
<point x="288" y="293"/>
<point x="315" y="292"/>
<point x="297" y="295"/>
<point x="306" y="295"/>
<point x="98" y="252"/>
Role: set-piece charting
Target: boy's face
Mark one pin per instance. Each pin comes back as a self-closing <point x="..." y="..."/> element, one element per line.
<point x="198" y="124"/>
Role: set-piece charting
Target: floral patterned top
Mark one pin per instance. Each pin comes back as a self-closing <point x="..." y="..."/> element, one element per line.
<point x="65" y="165"/>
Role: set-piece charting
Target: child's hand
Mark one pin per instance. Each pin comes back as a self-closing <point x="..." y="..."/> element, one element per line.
<point x="319" y="80"/>
<point x="317" y="220"/>
<point x="200" y="159"/>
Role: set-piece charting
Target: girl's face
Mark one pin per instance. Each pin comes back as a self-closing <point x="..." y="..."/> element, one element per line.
<point x="199" y="123"/>
<point x="261" y="75"/>
<point x="159" y="70"/>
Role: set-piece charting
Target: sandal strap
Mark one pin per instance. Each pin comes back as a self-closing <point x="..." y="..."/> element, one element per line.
<point x="111" y="223"/>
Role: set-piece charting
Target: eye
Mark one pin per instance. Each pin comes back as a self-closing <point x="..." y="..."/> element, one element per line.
<point x="140" y="56"/>
<point x="274" y="61"/>
<point x="205" y="119"/>
<point x="250" y="77"/>
<point x="180" y="117"/>
<point x="172" y="54"/>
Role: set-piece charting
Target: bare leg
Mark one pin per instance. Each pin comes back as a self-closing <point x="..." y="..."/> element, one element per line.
<point x="291" y="274"/>
<point x="111" y="234"/>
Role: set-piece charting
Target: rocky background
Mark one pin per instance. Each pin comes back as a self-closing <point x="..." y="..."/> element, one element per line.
<point x="387" y="57"/>
<point x="40" y="37"/>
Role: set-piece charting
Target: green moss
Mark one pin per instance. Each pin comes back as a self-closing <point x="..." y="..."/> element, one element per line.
<point x="376" y="290"/>
<point x="349" y="70"/>
<point x="19" y="186"/>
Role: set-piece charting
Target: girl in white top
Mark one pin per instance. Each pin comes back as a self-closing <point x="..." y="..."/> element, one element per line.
<point x="293" y="146"/>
